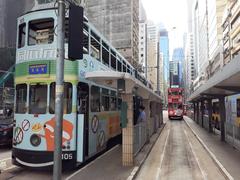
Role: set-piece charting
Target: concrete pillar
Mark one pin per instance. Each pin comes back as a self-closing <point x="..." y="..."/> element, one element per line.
<point x="197" y="108"/>
<point x="146" y="104"/>
<point x="222" y="116"/>
<point x="127" y="133"/>
<point x="202" y="112"/>
<point x="210" y="111"/>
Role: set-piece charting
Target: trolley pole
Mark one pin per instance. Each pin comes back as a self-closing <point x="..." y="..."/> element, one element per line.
<point x="57" y="167"/>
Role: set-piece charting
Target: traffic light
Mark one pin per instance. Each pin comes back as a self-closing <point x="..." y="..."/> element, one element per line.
<point x="75" y="38"/>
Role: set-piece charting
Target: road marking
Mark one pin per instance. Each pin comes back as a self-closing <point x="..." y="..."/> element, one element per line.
<point x="134" y="171"/>
<point x="3" y="165"/>
<point x="9" y="158"/>
<point x="162" y="156"/>
<point x="9" y="168"/>
<point x="69" y="177"/>
<point x="204" y="175"/>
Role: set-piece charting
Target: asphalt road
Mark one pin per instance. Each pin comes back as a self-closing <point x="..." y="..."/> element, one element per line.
<point x="177" y="155"/>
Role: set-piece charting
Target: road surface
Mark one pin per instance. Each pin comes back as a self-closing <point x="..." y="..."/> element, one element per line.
<point x="177" y="155"/>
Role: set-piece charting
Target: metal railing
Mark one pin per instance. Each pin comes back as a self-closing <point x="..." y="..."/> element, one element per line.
<point x="140" y="136"/>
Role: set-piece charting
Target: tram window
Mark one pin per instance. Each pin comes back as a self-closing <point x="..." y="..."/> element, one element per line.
<point x="238" y="107"/>
<point x="95" y="48"/>
<point x="128" y="68"/>
<point x="21" y="98"/>
<point x="95" y="99"/>
<point x="21" y="35"/>
<point x="67" y="101"/>
<point x="105" y="56"/>
<point x="113" y="101"/>
<point x="113" y="60"/>
<point x="124" y="67"/>
<point x="105" y="100"/>
<point x="41" y="31"/>
<point x="119" y="103"/>
<point x="85" y="43"/>
<point x="119" y="66"/>
<point x="38" y="99"/>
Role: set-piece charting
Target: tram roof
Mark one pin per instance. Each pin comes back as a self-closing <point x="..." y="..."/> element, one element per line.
<point x="223" y="83"/>
<point x="111" y="77"/>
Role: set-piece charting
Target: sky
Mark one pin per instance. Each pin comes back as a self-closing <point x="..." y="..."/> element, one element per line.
<point x="172" y="13"/>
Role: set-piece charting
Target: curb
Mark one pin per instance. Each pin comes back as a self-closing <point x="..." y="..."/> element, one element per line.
<point x="214" y="158"/>
<point x="136" y="169"/>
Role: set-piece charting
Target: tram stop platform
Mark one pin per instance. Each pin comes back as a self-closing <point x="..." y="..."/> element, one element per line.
<point x="109" y="165"/>
<point x="228" y="156"/>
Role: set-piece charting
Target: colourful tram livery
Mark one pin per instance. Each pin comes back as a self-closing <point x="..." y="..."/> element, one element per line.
<point x="91" y="111"/>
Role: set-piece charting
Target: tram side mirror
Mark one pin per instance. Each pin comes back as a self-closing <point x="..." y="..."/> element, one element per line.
<point x="75" y="37"/>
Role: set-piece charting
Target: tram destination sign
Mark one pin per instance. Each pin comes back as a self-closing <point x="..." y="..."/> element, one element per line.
<point x="36" y="69"/>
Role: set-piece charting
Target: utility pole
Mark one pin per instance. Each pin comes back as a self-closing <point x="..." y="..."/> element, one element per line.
<point x="57" y="167"/>
<point x="158" y="85"/>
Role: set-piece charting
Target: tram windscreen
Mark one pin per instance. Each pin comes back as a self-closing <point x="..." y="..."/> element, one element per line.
<point x="21" y="98"/>
<point x="41" y="31"/>
<point x="173" y="106"/>
<point x="38" y="99"/>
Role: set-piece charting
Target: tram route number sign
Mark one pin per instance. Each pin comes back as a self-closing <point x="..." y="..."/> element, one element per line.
<point x="38" y="69"/>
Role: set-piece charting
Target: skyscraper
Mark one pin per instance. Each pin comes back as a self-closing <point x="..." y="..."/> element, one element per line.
<point x="164" y="49"/>
<point x="178" y="60"/>
<point x="143" y="39"/>
<point x="152" y="53"/>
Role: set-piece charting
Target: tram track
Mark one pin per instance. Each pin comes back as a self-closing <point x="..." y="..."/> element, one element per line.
<point x="178" y="154"/>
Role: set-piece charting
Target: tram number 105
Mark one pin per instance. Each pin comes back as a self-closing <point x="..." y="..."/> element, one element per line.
<point x="66" y="156"/>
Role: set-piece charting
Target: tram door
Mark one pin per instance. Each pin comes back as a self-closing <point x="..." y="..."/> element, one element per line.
<point x="83" y="115"/>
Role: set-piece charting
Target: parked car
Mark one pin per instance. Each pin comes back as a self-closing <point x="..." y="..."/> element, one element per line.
<point x="6" y="131"/>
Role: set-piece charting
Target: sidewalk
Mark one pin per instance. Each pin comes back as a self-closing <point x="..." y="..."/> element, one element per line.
<point x="225" y="153"/>
<point x="109" y="166"/>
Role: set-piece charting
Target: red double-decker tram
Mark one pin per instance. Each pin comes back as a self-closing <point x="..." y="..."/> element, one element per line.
<point x="175" y="103"/>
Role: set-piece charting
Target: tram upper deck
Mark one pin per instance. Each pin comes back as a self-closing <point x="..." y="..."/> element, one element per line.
<point x="37" y="51"/>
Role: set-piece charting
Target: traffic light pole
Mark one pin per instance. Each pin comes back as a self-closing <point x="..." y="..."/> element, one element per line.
<point x="57" y="167"/>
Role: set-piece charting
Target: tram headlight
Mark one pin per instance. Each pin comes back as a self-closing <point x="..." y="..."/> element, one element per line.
<point x="5" y="132"/>
<point x="35" y="140"/>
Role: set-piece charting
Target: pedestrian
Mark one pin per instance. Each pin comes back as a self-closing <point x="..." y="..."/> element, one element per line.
<point x="142" y="115"/>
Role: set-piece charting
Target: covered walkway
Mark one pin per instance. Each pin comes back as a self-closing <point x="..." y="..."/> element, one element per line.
<point x="223" y="83"/>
